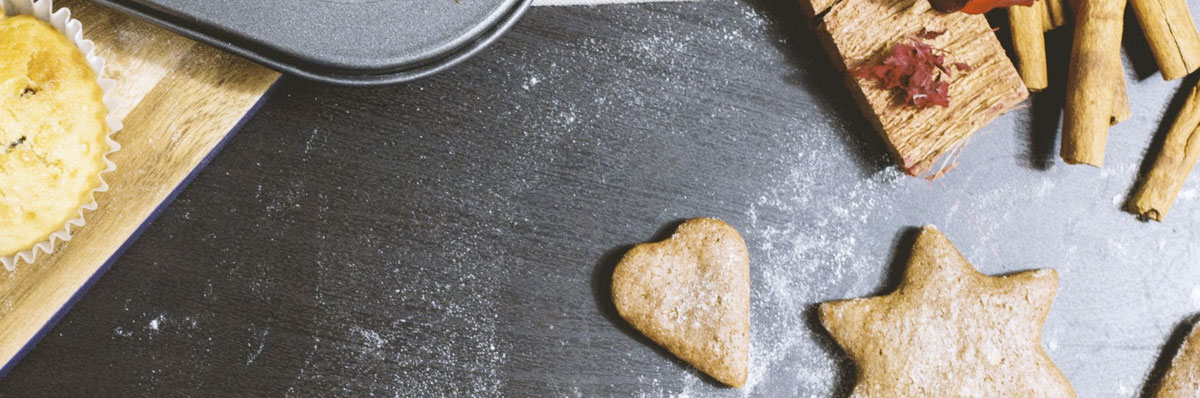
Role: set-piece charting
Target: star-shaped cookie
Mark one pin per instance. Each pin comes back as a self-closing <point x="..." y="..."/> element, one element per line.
<point x="691" y="294"/>
<point x="950" y="331"/>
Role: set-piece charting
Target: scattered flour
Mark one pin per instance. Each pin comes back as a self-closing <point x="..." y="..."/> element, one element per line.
<point x="531" y="83"/>
<point x="1188" y="194"/>
<point x="371" y="337"/>
<point x="261" y="339"/>
<point x="798" y="268"/>
<point x="157" y="322"/>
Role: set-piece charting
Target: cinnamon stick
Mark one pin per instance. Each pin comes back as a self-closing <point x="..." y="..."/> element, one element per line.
<point x="1120" y="107"/>
<point x="1057" y="11"/>
<point x="1095" y="62"/>
<point x="1172" y="35"/>
<point x="1029" y="43"/>
<point x="1044" y="14"/>
<point x="1175" y="161"/>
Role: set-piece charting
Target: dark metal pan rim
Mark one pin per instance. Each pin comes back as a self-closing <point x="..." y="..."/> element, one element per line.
<point x="336" y="75"/>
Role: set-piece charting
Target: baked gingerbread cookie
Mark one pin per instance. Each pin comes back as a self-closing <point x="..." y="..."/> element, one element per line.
<point x="950" y="331"/>
<point x="691" y="294"/>
<point x="1182" y="379"/>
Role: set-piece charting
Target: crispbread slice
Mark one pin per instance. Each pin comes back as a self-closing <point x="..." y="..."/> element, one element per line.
<point x="861" y="32"/>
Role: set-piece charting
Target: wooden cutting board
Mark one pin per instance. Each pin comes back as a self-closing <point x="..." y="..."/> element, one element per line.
<point x="180" y="101"/>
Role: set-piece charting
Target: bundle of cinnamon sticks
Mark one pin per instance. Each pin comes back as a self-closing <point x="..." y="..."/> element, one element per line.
<point x="1096" y="89"/>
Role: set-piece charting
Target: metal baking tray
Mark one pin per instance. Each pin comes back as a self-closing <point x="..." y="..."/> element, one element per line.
<point x="351" y="42"/>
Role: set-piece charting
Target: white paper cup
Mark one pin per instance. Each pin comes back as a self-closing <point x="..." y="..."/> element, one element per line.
<point x="62" y="21"/>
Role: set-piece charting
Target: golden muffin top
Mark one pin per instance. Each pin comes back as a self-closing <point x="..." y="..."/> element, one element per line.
<point x="52" y="132"/>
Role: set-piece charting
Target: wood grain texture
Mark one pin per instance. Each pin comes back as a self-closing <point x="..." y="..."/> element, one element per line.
<point x="179" y="100"/>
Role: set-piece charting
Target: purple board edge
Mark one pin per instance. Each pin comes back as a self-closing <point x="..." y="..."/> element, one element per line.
<point x="45" y="329"/>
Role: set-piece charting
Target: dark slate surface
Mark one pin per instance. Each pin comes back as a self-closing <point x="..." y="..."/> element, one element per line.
<point x="454" y="236"/>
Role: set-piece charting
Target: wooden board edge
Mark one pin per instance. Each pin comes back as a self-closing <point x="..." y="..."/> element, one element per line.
<point x="12" y="358"/>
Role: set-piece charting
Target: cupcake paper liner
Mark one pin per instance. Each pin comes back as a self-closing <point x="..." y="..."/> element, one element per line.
<point x="73" y="30"/>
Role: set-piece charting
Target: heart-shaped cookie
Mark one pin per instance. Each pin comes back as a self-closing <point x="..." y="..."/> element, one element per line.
<point x="691" y="294"/>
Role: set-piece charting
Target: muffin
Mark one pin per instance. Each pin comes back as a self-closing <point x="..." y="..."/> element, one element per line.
<point x="53" y="133"/>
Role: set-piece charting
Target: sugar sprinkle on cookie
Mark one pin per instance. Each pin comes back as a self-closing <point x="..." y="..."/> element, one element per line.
<point x="950" y="331"/>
